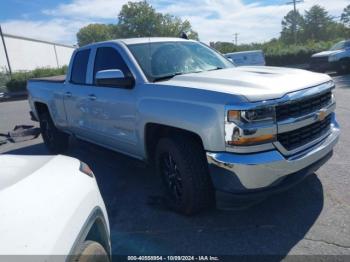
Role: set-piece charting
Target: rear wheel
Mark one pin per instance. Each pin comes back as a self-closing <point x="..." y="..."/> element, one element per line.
<point x="181" y="163"/>
<point x="91" y="251"/>
<point x="55" y="140"/>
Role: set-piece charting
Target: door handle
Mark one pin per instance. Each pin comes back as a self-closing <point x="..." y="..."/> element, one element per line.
<point x="68" y="94"/>
<point x="92" y="97"/>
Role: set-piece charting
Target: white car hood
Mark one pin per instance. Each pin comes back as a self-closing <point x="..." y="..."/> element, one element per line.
<point x="255" y="83"/>
<point x="327" y="53"/>
<point x="16" y="168"/>
<point x="44" y="202"/>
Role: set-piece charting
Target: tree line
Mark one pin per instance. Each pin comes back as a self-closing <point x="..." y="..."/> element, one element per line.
<point x="315" y="25"/>
<point x="301" y="34"/>
<point x="136" y="19"/>
<point x="316" y="29"/>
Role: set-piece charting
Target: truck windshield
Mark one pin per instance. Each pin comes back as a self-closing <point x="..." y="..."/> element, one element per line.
<point x="164" y="60"/>
<point x="341" y="45"/>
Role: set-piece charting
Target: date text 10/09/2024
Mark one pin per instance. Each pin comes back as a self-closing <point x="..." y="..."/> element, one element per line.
<point x="173" y="258"/>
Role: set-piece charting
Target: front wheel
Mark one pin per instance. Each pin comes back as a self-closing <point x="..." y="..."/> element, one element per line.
<point x="91" y="251"/>
<point x="55" y="140"/>
<point x="181" y="163"/>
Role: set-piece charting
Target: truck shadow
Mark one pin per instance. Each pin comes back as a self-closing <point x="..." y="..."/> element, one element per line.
<point x="140" y="225"/>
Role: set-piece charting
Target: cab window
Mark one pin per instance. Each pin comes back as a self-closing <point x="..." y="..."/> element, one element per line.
<point x="79" y="67"/>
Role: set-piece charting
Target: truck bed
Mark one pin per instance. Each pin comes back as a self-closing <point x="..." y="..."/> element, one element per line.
<point x="53" y="79"/>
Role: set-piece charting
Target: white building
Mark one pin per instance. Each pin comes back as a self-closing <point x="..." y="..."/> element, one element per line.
<point x="27" y="54"/>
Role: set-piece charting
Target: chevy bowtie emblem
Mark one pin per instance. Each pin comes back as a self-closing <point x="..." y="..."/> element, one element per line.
<point x="321" y="115"/>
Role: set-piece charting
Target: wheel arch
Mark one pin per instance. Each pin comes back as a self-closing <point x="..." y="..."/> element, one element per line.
<point x="346" y="58"/>
<point x="95" y="229"/>
<point x="40" y="108"/>
<point x="153" y="132"/>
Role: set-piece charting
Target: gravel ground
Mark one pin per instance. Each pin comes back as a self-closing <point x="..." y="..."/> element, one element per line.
<point x="312" y="218"/>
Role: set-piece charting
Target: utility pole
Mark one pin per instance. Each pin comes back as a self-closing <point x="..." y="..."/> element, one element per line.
<point x="294" y="3"/>
<point x="5" y="49"/>
<point x="236" y="38"/>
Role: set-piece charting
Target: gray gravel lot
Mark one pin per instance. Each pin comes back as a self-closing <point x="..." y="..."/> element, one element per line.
<point x="312" y="218"/>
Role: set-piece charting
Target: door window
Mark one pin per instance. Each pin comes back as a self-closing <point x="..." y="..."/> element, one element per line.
<point x="109" y="58"/>
<point x="79" y="67"/>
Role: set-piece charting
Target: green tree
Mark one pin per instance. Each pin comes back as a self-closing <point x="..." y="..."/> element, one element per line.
<point x="138" y="19"/>
<point x="317" y="23"/>
<point x="95" y="33"/>
<point x="292" y="27"/>
<point x="345" y="16"/>
<point x="174" y="26"/>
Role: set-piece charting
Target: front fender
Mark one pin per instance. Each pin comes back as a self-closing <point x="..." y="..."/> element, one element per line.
<point x="202" y="119"/>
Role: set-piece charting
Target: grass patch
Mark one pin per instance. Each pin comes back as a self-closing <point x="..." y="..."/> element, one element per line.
<point x="4" y="78"/>
<point x="18" y="81"/>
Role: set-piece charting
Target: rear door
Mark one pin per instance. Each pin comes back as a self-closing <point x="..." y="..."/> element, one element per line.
<point x="77" y="95"/>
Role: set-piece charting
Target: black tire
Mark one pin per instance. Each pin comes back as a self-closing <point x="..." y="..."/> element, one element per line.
<point x="181" y="163"/>
<point x="91" y="251"/>
<point x="56" y="141"/>
<point x="343" y="67"/>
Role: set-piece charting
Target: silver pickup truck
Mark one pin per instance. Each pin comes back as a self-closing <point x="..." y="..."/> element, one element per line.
<point x="203" y="123"/>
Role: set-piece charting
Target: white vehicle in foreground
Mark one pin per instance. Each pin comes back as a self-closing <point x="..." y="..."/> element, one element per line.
<point x="51" y="207"/>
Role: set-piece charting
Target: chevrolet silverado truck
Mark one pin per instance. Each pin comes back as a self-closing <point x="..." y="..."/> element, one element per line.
<point x="335" y="59"/>
<point x="201" y="122"/>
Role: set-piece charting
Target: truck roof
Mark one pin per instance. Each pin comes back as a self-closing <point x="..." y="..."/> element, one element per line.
<point x="143" y="40"/>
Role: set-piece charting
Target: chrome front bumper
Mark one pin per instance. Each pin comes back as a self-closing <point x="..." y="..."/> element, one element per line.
<point x="246" y="172"/>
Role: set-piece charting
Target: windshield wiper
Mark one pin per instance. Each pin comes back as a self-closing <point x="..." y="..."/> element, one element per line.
<point x="165" y="77"/>
<point x="216" y="68"/>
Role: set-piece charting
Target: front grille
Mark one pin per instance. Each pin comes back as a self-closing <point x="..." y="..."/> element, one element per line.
<point x="318" y="60"/>
<point x="303" y="106"/>
<point x="299" y="137"/>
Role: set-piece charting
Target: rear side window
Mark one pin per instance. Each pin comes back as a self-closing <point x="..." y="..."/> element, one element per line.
<point x="79" y="68"/>
<point x="109" y="58"/>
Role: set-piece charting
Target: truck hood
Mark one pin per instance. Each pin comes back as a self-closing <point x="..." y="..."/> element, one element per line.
<point x="327" y="53"/>
<point x="255" y="83"/>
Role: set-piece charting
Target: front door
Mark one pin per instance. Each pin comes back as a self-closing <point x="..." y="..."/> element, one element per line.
<point x="113" y="109"/>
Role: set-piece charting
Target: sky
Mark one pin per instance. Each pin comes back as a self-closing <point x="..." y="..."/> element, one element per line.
<point x="214" y="20"/>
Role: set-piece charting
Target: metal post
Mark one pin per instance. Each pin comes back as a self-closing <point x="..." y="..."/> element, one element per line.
<point x="5" y="49"/>
<point x="294" y="3"/>
<point x="295" y="22"/>
<point x="54" y="48"/>
<point x="236" y="38"/>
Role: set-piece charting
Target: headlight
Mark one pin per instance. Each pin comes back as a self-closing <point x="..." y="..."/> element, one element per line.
<point x="251" y="116"/>
<point x="250" y="127"/>
<point x="84" y="168"/>
<point x="332" y="58"/>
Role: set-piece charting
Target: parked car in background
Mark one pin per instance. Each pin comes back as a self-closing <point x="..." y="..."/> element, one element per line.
<point x="51" y="207"/>
<point x="247" y="58"/>
<point x="204" y="123"/>
<point x="335" y="59"/>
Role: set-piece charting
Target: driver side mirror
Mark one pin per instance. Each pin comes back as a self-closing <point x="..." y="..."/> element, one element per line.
<point x="113" y="78"/>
